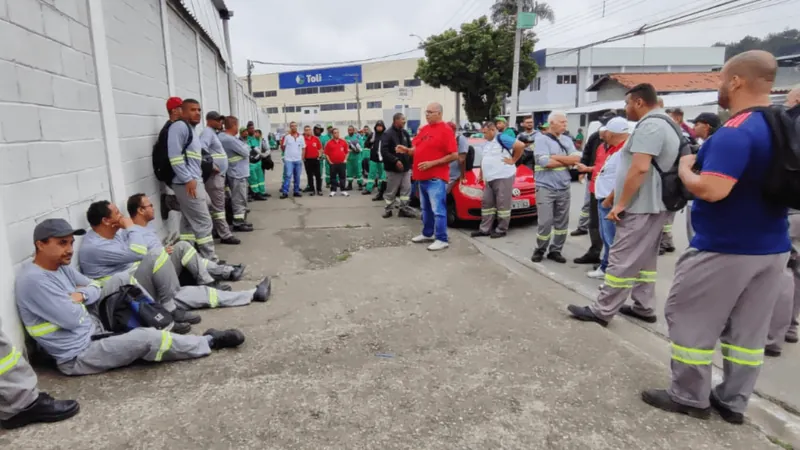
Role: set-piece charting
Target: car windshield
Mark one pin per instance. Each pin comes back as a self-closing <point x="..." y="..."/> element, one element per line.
<point x="477" y="144"/>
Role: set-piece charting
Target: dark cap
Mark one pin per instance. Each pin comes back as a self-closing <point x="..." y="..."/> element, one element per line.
<point x="250" y="124"/>
<point x="54" y="228"/>
<point x="709" y="119"/>
<point x="213" y="115"/>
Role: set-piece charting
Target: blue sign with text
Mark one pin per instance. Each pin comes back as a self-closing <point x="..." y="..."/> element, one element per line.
<point x="331" y="76"/>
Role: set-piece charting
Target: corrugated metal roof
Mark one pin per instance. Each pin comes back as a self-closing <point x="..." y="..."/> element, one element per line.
<point x="664" y="81"/>
<point x="206" y="15"/>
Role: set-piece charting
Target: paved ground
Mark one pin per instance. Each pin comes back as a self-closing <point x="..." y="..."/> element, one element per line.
<point x="778" y="380"/>
<point x="372" y="342"/>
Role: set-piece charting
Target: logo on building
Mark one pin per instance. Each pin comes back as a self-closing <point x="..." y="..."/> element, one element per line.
<point x="300" y="79"/>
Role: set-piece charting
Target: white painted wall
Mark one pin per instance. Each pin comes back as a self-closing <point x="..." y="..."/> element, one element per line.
<point x="83" y="85"/>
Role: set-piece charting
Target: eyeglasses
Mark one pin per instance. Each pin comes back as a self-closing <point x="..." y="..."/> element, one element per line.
<point x="427" y="112"/>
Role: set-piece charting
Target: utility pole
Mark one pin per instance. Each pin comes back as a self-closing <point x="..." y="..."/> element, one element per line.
<point x="250" y="67"/>
<point x="578" y="80"/>
<point x="358" y="101"/>
<point x="515" y="77"/>
<point x="458" y="110"/>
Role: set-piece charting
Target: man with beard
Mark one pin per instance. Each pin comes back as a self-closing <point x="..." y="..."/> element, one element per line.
<point x="727" y="283"/>
<point x="377" y="175"/>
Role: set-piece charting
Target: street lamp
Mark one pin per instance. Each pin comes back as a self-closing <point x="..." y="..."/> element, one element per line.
<point x="421" y="41"/>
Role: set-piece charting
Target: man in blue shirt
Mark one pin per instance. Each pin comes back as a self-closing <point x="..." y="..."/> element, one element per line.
<point x="729" y="280"/>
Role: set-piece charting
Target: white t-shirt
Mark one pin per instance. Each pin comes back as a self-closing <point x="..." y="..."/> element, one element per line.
<point x="606" y="179"/>
<point x="492" y="164"/>
<point x="293" y="150"/>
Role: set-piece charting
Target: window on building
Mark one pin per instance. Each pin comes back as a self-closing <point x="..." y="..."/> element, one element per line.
<point x="270" y="93"/>
<point x="391" y="84"/>
<point x="597" y="77"/>
<point x="272" y="110"/>
<point x="306" y="91"/>
<point x="416" y="82"/>
<point x="567" y="79"/>
<point x="288" y="109"/>
<point x="375" y="85"/>
<point x="352" y="105"/>
<point x="329" y="89"/>
<point x="374" y="105"/>
<point x="332" y="107"/>
<point x="536" y="84"/>
<point x="258" y="94"/>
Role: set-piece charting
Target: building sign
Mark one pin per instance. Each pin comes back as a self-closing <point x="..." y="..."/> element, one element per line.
<point x="331" y="76"/>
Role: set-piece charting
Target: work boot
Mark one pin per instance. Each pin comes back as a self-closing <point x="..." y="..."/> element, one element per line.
<point x="181" y="328"/>
<point x="538" y="256"/>
<point x="660" y="399"/>
<point x="630" y="312"/>
<point x="381" y="189"/>
<point x="263" y="290"/>
<point x="585" y="314"/>
<point x="478" y="233"/>
<point x="237" y="273"/>
<point x="387" y="214"/>
<point x="311" y="194"/>
<point x="308" y="189"/>
<point x="164" y="207"/>
<point x="297" y="194"/>
<point x="267" y="194"/>
<point x="260" y="197"/>
<point x="579" y="232"/>
<point x="233" y="240"/>
<point x="771" y="352"/>
<point x="498" y="234"/>
<point x="319" y="192"/>
<point x="181" y="315"/>
<point x="557" y="257"/>
<point x="727" y="415"/>
<point x="791" y="335"/>
<point x="349" y="186"/>
<point x="214" y="234"/>
<point x="284" y="196"/>
<point x="242" y="227"/>
<point x="366" y="192"/>
<point x="588" y="258"/>
<point x="224" y="339"/>
<point x="45" y="409"/>
<point x="406" y="212"/>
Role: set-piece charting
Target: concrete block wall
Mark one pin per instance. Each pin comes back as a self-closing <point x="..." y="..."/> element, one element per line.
<point x="77" y="127"/>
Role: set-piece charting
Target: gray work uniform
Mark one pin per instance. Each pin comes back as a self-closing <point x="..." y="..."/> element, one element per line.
<point x="784" y="318"/>
<point x="154" y="272"/>
<point x="583" y="220"/>
<point x="552" y="191"/>
<point x="64" y="329"/>
<point x="215" y="186"/>
<point x="238" y="174"/>
<point x="666" y="233"/>
<point x="398" y="189"/>
<point x="498" y="183"/>
<point x="196" y="224"/>
<point x="633" y="258"/>
<point x="17" y="379"/>
<point x="183" y="256"/>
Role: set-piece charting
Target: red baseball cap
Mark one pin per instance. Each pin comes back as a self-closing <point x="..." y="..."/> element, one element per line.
<point x="174" y="102"/>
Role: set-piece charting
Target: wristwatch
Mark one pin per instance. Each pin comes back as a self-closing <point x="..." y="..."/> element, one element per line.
<point x="83" y="295"/>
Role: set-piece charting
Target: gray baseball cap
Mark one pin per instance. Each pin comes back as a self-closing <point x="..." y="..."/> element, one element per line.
<point x="54" y="228"/>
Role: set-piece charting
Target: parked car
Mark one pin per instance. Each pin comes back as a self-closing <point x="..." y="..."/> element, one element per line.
<point x="464" y="201"/>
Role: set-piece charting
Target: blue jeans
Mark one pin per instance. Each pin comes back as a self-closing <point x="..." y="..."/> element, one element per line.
<point x="607" y="231"/>
<point x="291" y="169"/>
<point x="433" y="198"/>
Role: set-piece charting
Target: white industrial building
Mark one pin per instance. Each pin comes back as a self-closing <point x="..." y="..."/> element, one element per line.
<point x="561" y="79"/>
<point x="84" y="85"/>
<point x="350" y="95"/>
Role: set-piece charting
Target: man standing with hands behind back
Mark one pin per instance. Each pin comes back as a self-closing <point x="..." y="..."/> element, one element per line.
<point x="433" y="149"/>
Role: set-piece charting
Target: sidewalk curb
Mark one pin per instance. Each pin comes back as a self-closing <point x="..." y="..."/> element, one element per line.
<point x="780" y="425"/>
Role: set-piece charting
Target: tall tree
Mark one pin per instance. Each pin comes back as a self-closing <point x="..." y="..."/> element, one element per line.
<point x="478" y="63"/>
<point x="504" y="12"/>
<point x="786" y="42"/>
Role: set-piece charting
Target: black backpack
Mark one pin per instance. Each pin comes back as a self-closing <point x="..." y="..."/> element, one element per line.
<point x="161" y="165"/>
<point x="673" y="193"/>
<point x="782" y="183"/>
<point x="129" y="308"/>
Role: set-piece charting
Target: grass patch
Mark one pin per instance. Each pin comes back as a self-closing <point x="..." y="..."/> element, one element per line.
<point x="343" y="256"/>
<point x="780" y="443"/>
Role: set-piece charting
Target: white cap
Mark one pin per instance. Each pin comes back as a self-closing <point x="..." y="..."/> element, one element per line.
<point x="618" y="125"/>
<point x="601" y="129"/>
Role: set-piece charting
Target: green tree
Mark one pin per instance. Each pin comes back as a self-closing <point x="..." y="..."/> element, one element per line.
<point x="477" y="62"/>
<point x="504" y="12"/>
<point x="786" y="42"/>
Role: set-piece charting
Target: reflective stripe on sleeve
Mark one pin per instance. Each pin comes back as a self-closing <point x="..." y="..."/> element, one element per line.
<point x="213" y="300"/>
<point x="187" y="258"/>
<point x="140" y="249"/>
<point x="193" y="155"/>
<point x="166" y="344"/>
<point x="162" y="259"/>
<point x="547" y="169"/>
<point x="9" y="361"/>
<point x="692" y="356"/>
<point x="42" y="329"/>
<point x="235" y="159"/>
<point x="177" y="161"/>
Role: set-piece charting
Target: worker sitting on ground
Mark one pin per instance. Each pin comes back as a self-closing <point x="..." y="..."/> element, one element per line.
<point x="109" y="248"/>
<point x="182" y="254"/>
<point x="52" y="299"/>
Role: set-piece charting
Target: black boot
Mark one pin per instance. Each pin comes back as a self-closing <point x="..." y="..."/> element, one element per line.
<point x="44" y="409"/>
<point x="379" y="196"/>
<point x="349" y="186"/>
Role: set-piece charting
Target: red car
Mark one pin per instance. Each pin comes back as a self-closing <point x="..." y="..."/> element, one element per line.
<point x="464" y="201"/>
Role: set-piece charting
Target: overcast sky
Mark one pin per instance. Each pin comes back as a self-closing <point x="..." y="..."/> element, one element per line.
<point x="304" y="31"/>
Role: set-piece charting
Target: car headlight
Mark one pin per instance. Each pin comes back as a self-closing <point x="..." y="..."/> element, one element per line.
<point x="470" y="191"/>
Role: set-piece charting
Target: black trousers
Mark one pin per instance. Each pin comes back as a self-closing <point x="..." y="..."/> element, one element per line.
<point x="338" y="176"/>
<point x="313" y="174"/>
<point x="594" y="227"/>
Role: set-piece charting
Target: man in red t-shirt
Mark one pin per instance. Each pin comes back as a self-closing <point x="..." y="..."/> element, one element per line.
<point x="311" y="161"/>
<point x="433" y="150"/>
<point x="336" y="153"/>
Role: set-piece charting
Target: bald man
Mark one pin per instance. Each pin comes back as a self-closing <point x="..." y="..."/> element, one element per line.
<point x="728" y="282"/>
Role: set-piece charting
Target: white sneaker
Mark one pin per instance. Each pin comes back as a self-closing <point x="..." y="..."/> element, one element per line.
<point x="421" y="239"/>
<point x="596" y="274"/>
<point x="333" y="193"/>
<point x="345" y="194"/>
<point x="438" y="245"/>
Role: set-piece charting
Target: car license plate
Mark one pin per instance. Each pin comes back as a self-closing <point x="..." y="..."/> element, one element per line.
<point x="520" y="204"/>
